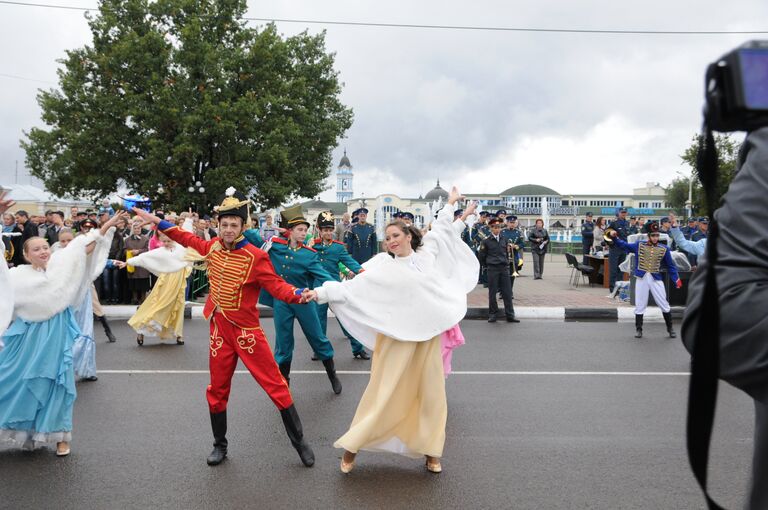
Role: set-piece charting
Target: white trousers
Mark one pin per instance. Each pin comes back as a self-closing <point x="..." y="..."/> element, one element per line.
<point x="648" y="284"/>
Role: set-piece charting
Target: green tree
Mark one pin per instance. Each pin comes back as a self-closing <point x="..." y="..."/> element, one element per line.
<point x="173" y="92"/>
<point x="727" y="153"/>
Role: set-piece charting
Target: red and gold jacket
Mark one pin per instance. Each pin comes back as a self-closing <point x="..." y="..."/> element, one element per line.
<point x="235" y="277"/>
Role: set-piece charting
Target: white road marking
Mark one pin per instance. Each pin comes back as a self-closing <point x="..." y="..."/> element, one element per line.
<point x="457" y="372"/>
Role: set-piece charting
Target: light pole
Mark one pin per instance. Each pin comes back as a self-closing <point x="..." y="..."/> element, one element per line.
<point x="689" y="203"/>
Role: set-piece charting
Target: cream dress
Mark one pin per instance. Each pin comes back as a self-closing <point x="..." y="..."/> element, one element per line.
<point x="398" y="307"/>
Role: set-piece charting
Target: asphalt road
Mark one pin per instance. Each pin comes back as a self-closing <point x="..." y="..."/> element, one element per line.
<point x="542" y="415"/>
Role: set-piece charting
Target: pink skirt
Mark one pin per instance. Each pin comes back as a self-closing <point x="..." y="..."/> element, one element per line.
<point x="449" y="340"/>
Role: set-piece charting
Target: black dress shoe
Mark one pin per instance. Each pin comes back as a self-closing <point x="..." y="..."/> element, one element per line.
<point x="361" y="355"/>
<point x="314" y="357"/>
<point x="492" y="319"/>
<point x="512" y="319"/>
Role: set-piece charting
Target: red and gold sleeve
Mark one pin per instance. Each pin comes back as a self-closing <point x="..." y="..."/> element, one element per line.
<point x="267" y="279"/>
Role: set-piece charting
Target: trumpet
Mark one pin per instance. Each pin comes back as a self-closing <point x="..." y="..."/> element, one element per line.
<point x="511" y="249"/>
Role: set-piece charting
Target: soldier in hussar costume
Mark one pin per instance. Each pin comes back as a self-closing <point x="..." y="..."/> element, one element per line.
<point x="237" y="271"/>
<point x="362" y="243"/>
<point x="650" y="257"/>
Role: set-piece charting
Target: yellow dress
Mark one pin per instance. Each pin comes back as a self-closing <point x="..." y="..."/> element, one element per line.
<point x="404" y="408"/>
<point x="162" y="313"/>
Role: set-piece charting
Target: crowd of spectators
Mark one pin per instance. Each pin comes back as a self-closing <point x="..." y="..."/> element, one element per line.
<point x="114" y="286"/>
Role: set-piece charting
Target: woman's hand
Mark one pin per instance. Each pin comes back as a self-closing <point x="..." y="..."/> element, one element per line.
<point x="113" y="221"/>
<point x="119" y="264"/>
<point x="147" y="217"/>
<point x="454" y="196"/>
<point x="5" y="203"/>
<point x="469" y="210"/>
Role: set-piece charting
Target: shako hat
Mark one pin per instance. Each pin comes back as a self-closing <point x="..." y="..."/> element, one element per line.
<point x="325" y="220"/>
<point x="234" y="203"/>
<point x="292" y="216"/>
<point x="653" y="228"/>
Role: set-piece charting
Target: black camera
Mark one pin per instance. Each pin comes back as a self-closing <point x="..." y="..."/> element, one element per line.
<point x="737" y="89"/>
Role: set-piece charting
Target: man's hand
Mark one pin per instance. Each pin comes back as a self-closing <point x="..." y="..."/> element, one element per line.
<point x="679" y="283"/>
<point x="5" y="203"/>
<point x="147" y="217"/>
<point x="308" y="295"/>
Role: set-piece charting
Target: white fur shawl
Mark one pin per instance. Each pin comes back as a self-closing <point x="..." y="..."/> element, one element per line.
<point x="392" y="298"/>
<point x="161" y="260"/>
<point x="40" y="295"/>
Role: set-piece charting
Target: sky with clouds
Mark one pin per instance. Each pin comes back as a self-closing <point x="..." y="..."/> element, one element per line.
<point x="486" y="110"/>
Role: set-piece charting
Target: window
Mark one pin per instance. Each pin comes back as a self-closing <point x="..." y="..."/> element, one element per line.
<point x="657" y="205"/>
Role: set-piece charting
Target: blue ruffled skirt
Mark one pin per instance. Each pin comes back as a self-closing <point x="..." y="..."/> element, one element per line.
<point x="84" y="350"/>
<point x="37" y="380"/>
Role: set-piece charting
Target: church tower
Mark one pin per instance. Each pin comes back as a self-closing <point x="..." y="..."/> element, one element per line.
<point x="344" y="180"/>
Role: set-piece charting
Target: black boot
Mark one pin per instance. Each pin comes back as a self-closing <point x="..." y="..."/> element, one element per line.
<point x="330" y="369"/>
<point x="219" y="427"/>
<point x="110" y="337"/>
<point x="668" y="320"/>
<point x="639" y="325"/>
<point x="296" y="435"/>
<point x="285" y="369"/>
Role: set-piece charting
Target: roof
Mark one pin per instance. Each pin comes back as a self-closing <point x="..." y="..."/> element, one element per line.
<point x="528" y="190"/>
<point x="30" y="193"/>
<point x="436" y="192"/>
<point x="345" y="160"/>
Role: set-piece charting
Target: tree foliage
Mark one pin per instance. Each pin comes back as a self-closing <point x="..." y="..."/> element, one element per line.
<point x="727" y="153"/>
<point x="172" y="92"/>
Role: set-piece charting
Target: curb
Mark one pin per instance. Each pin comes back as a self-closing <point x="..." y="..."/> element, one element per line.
<point x="558" y="313"/>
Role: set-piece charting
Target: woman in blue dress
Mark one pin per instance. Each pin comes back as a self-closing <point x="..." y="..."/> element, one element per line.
<point x="84" y="349"/>
<point x="37" y="379"/>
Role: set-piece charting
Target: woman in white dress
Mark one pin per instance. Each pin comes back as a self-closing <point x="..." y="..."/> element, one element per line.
<point x="398" y="307"/>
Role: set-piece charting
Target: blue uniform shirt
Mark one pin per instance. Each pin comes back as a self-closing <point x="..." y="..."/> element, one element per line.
<point x="666" y="261"/>
<point x="292" y="265"/>
<point x="362" y="242"/>
<point x="331" y="255"/>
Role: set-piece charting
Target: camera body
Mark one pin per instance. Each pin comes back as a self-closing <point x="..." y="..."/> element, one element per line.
<point x="737" y="89"/>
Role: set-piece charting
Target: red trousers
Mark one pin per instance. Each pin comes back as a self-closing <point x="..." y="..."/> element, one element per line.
<point x="228" y="343"/>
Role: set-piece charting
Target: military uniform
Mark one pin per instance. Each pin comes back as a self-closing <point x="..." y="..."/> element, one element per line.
<point x="361" y="241"/>
<point x="494" y="255"/>
<point x="649" y="260"/>
<point x="301" y="267"/>
<point x="236" y="276"/>
<point x="331" y="255"/>
<point x="479" y="233"/>
<point x="516" y="247"/>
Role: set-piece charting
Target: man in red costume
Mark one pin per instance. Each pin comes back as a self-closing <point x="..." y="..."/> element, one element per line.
<point x="237" y="271"/>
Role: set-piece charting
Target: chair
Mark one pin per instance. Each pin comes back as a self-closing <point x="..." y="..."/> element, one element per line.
<point x="577" y="270"/>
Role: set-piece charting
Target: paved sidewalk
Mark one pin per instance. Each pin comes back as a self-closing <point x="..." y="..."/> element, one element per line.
<point x="552" y="290"/>
<point x="552" y="297"/>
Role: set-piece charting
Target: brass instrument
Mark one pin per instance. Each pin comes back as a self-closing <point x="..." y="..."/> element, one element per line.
<point x="511" y="249"/>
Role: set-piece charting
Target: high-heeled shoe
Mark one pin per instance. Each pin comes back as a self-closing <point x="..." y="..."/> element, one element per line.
<point x="62" y="449"/>
<point x="346" y="467"/>
<point x="433" y="464"/>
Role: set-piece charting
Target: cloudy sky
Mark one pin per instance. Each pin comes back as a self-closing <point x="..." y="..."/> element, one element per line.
<point x="581" y="113"/>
